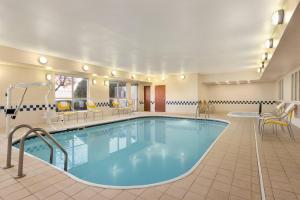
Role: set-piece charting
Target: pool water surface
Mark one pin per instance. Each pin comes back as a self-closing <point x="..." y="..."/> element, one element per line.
<point x="132" y="153"/>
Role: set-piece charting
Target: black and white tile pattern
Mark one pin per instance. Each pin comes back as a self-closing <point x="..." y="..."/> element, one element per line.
<point x="249" y="102"/>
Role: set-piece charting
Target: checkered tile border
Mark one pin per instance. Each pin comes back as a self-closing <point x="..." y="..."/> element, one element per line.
<point x="241" y="102"/>
<point x="102" y="104"/>
<point x="29" y="108"/>
<point x="184" y="103"/>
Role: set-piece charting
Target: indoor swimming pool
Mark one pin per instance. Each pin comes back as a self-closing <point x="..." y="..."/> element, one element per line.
<point x="132" y="153"/>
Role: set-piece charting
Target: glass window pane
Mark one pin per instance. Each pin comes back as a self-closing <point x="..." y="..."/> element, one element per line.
<point x="63" y="87"/>
<point x="80" y="104"/>
<point x="113" y="89"/>
<point x="80" y="88"/>
<point x="122" y="90"/>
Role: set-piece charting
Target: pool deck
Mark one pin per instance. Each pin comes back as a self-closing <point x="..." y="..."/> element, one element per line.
<point x="229" y="171"/>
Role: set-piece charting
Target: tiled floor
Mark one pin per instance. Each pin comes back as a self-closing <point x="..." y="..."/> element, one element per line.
<point x="228" y="172"/>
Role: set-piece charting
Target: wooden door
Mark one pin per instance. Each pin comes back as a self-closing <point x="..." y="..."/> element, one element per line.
<point x="146" y="98"/>
<point x="160" y="98"/>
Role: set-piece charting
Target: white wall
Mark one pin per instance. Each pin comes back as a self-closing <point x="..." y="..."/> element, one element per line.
<point x="242" y="92"/>
<point x="180" y="93"/>
<point x="287" y="93"/>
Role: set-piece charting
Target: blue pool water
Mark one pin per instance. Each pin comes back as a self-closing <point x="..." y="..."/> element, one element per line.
<point x="135" y="152"/>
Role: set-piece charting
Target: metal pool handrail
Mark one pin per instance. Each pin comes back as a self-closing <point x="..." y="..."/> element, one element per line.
<point x="21" y="149"/>
<point x="9" y="144"/>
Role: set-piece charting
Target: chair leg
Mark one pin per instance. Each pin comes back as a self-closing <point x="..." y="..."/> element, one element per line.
<point x="290" y="130"/>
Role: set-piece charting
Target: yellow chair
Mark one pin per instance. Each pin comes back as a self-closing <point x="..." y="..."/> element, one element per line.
<point x="65" y="109"/>
<point x="129" y="105"/>
<point x="91" y="107"/>
<point x="116" y="106"/>
<point x="283" y="121"/>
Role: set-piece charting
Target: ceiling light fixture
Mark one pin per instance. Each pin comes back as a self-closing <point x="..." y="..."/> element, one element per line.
<point x="113" y="72"/>
<point x="43" y="60"/>
<point x="269" y="43"/>
<point x="85" y="68"/>
<point x="48" y="77"/>
<point x="264" y="56"/>
<point x="278" y="17"/>
<point x="182" y="76"/>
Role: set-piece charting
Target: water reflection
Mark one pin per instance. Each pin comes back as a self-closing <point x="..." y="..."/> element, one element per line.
<point x="132" y="152"/>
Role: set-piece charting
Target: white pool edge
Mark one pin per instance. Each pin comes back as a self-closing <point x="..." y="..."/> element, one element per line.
<point x="261" y="180"/>
<point x="147" y="185"/>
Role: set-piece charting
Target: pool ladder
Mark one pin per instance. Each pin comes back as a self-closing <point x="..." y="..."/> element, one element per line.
<point x="206" y="110"/>
<point x="39" y="132"/>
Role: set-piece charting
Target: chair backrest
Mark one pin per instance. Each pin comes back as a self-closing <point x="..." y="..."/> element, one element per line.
<point x="115" y="104"/>
<point x="63" y="106"/>
<point x="288" y="112"/>
<point x="129" y="102"/>
<point x="90" y="105"/>
<point x="280" y="106"/>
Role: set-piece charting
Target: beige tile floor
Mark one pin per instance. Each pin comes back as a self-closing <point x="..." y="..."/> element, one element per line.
<point x="228" y="172"/>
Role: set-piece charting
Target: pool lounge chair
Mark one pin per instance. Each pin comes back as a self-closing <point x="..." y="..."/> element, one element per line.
<point x="128" y="108"/>
<point x="65" y="109"/>
<point x="284" y="120"/>
<point x="277" y="112"/>
<point x="92" y="108"/>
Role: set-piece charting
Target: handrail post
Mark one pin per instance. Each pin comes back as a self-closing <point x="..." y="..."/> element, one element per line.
<point x="9" y="144"/>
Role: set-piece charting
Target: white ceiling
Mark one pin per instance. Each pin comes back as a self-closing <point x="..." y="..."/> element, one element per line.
<point x="148" y="36"/>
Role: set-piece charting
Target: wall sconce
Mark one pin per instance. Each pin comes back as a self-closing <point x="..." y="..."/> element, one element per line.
<point x="106" y="83"/>
<point x="163" y="78"/>
<point x="113" y="73"/>
<point x="43" y="60"/>
<point x="132" y="76"/>
<point x="182" y="76"/>
<point x="149" y="79"/>
<point x="278" y="17"/>
<point x="94" y="81"/>
<point x="269" y="43"/>
<point x="48" y="77"/>
<point x="85" y="68"/>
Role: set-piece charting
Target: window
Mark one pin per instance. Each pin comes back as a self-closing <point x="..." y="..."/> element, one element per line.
<point x="280" y="90"/>
<point x="117" y="91"/>
<point x="71" y="89"/>
<point x="295" y="86"/>
<point x="134" y="96"/>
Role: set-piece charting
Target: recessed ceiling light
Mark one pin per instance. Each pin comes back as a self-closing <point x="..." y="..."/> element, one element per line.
<point x="262" y="65"/>
<point x="85" y="68"/>
<point x="182" y="76"/>
<point x="94" y="75"/>
<point x="259" y="70"/>
<point x="113" y="72"/>
<point x="269" y="43"/>
<point x="48" y="77"/>
<point x="43" y="60"/>
<point x="264" y="56"/>
<point x="278" y="17"/>
<point x="49" y="68"/>
<point x="106" y="77"/>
